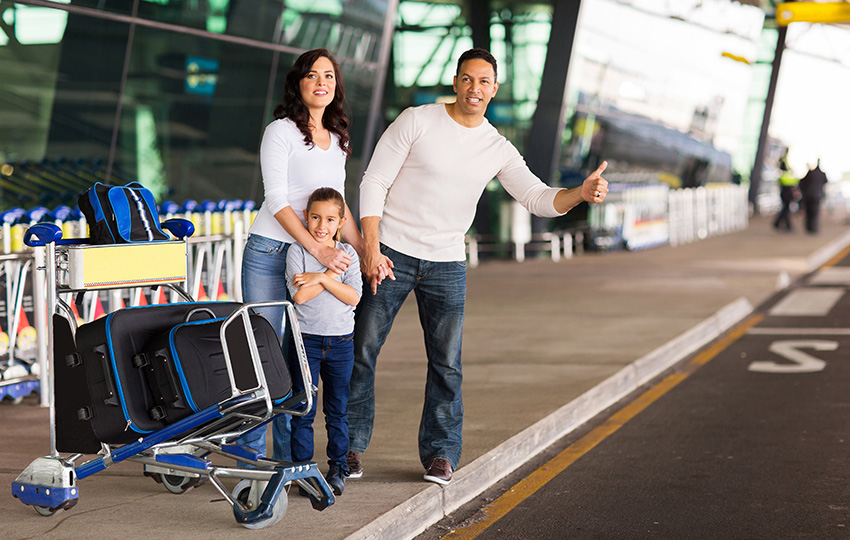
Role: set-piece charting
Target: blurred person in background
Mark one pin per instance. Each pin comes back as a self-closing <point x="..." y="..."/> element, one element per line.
<point x="811" y="187"/>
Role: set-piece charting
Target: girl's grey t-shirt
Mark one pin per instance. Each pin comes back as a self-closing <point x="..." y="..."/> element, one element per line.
<point x="324" y="315"/>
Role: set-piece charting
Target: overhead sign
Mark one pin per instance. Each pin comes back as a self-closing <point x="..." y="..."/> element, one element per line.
<point x="813" y="12"/>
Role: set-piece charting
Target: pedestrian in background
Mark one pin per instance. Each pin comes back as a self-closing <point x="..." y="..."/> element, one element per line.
<point x="811" y="187"/>
<point x="788" y="194"/>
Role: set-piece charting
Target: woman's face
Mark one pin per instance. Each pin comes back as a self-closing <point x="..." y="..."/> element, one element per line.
<point x="319" y="85"/>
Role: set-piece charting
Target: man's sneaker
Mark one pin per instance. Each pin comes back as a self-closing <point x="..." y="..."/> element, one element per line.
<point x="336" y="478"/>
<point x="439" y="471"/>
<point x="355" y="467"/>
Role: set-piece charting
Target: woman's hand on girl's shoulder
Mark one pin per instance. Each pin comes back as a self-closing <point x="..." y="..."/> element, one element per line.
<point x="336" y="260"/>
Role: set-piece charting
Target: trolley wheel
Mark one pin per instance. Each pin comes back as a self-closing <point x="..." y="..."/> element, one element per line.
<point x="178" y="484"/>
<point x="45" y="511"/>
<point x="242" y="493"/>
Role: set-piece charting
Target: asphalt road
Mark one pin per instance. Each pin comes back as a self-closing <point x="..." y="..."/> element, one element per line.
<point x="749" y="439"/>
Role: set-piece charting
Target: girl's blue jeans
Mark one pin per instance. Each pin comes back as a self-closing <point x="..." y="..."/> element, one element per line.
<point x="331" y="359"/>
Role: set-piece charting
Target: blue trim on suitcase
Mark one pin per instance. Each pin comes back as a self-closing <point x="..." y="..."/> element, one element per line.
<point x="118" y="387"/>
<point x="174" y="357"/>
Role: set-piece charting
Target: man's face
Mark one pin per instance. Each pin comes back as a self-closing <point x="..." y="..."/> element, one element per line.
<point x="475" y="86"/>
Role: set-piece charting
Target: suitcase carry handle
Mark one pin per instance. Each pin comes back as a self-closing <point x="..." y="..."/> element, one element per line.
<point x="101" y="352"/>
<point x="188" y="316"/>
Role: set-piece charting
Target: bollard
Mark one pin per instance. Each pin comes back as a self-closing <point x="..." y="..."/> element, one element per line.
<point x="568" y="245"/>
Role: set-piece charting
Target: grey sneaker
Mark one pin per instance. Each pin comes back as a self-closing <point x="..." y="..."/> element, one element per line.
<point x="439" y="471"/>
<point x="355" y="467"/>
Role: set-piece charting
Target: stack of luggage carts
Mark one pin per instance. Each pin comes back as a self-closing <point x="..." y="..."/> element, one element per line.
<point x="171" y="386"/>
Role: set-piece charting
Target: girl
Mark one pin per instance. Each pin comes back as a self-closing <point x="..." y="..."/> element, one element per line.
<point x="324" y="303"/>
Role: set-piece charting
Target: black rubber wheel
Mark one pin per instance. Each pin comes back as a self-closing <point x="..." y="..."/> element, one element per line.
<point x="242" y="493"/>
<point x="178" y="484"/>
<point x="45" y="511"/>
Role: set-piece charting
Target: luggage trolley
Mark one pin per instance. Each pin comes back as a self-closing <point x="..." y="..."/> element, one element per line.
<point x="177" y="454"/>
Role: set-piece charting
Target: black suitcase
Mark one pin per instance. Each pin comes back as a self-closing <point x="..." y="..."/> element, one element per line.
<point x="186" y="370"/>
<point x="120" y="399"/>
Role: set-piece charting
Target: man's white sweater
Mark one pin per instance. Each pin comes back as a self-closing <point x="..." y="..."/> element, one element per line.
<point x="427" y="174"/>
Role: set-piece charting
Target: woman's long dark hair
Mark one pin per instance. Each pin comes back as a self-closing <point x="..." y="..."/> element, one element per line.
<point x="292" y="107"/>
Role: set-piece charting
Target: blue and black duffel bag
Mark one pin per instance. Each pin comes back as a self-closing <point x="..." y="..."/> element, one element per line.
<point x="121" y="214"/>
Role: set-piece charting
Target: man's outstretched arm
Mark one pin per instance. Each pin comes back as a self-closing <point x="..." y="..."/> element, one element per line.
<point x="592" y="190"/>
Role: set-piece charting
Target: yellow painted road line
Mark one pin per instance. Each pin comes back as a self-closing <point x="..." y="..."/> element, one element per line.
<point x="526" y="487"/>
<point x="835" y="260"/>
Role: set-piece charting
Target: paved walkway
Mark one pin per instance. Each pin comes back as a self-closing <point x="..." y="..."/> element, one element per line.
<point x="546" y="346"/>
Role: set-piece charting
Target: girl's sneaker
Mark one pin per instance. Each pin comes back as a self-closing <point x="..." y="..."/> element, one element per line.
<point x="336" y="478"/>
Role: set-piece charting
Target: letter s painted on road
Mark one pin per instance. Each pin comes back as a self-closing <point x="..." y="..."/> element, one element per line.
<point x="801" y="362"/>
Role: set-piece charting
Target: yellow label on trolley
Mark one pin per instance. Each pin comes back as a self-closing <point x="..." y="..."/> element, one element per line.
<point x="126" y="265"/>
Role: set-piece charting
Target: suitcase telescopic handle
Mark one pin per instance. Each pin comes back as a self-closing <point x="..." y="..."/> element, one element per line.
<point x="199" y="310"/>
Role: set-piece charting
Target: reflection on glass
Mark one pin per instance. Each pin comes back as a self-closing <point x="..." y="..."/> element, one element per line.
<point x="193" y="114"/>
<point x="124" y="7"/>
<point x="58" y="96"/>
<point x="350" y="30"/>
<point x="188" y="118"/>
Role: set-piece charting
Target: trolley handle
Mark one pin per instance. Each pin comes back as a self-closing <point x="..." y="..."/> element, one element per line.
<point x="41" y="234"/>
<point x="179" y="227"/>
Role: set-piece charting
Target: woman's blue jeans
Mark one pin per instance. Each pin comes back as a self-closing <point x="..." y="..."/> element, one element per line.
<point x="440" y="289"/>
<point x="264" y="278"/>
<point x="330" y="358"/>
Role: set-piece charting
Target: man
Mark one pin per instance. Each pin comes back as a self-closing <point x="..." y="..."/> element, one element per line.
<point x="811" y="187"/>
<point x="787" y="195"/>
<point x="417" y="200"/>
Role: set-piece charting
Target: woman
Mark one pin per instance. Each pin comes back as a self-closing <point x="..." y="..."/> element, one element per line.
<point x="303" y="149"/>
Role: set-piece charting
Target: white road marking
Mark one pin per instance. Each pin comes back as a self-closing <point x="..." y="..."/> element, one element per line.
<point x="797" y="360"/>
<point x="808" y="302"/>
<point x="834" y="275"/>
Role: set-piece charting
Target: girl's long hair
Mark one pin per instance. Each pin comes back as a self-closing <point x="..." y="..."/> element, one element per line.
<point x="292" y="107"/>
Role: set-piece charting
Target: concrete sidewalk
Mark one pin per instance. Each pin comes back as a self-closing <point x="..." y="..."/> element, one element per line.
<point x="546" y="346"/>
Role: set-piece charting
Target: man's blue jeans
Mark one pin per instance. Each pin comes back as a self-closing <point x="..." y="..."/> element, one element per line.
<point x="330" y="358"/>
<point x="440" y="289"/>
<point x="263" y="279"/>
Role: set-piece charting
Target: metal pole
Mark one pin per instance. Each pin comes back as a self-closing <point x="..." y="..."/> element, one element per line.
<point x="547" y="124"/>
<point x="378" y="92"/>
<point x="755" y="175"/>
<point x="42" y="331"/>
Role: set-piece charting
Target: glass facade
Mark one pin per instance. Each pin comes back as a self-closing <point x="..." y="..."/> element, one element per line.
<point x="173" y="93"/>
<point x="430" y="37"/>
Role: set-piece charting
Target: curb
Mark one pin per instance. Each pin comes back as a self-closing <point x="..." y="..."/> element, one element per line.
<point x="429" y="506"/>
<point x="828" y="252"/>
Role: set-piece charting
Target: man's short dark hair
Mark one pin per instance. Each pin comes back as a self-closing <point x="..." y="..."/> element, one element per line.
<point x="478" y="52"/>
